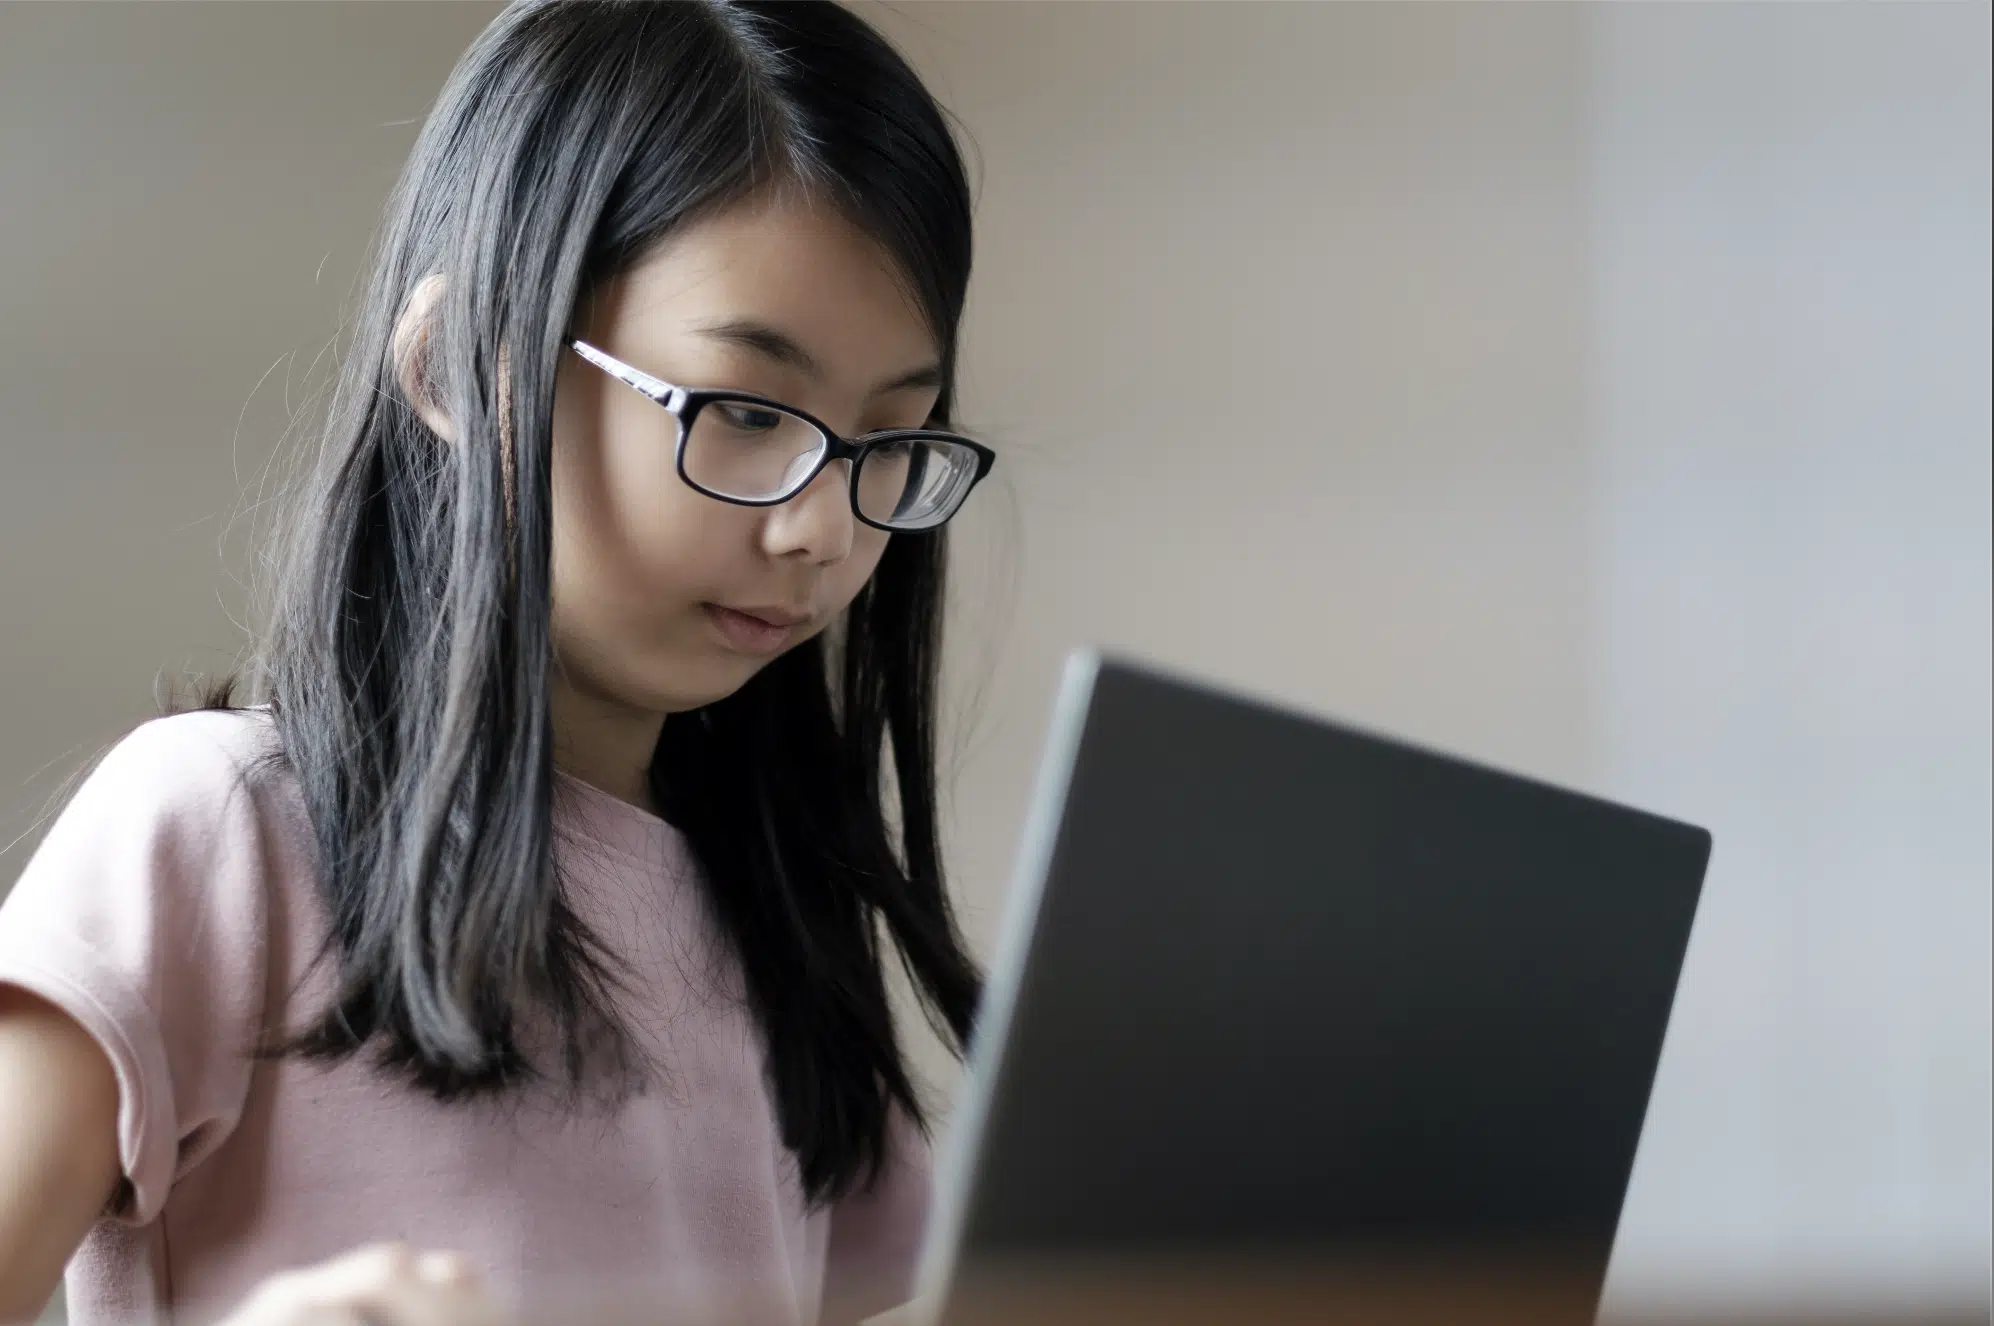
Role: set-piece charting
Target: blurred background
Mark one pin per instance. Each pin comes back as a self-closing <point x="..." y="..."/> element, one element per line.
<point x="1599" y="391"/>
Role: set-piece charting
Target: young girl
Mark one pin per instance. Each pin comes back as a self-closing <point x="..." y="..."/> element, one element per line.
<point x="538" y="911"/>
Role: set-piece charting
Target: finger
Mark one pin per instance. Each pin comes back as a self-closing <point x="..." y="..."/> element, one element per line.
<point x="445" y="1269"/>
<point x="373" y="1285"/>
<point x="413" y="1303"/>
<point x="401" y="1287"/>
<point x="380" y="1284"/>
<point x="377" y="1264"/>
<point x="359" y="1268"/>
<point x="282" y="1302"/>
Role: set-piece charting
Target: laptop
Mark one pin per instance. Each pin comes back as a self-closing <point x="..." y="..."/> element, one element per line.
<point x="1279" y="994"/>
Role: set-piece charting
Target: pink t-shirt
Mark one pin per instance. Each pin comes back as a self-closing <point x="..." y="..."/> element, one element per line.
<point x="171" y="911"/>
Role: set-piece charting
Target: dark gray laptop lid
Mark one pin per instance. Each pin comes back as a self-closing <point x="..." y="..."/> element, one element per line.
<point x="1278" y="984"/>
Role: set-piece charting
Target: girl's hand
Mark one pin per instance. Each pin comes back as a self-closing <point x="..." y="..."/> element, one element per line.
<point x="387" y="1284"/>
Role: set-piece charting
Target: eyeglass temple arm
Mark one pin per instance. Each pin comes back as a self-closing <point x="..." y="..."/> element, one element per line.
<point x="659" y="390"/>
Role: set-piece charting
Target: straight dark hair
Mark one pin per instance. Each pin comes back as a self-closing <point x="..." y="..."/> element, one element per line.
<point x="409" y="658"/>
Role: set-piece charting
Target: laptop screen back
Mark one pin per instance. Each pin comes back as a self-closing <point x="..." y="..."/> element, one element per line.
<point x="1293" y="987"/>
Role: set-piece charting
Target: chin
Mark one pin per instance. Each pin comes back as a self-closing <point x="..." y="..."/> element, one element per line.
<point x="695" y="685"/>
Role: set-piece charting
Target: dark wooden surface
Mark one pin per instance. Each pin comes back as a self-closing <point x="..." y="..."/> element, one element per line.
<point x="1455" y="1292"/>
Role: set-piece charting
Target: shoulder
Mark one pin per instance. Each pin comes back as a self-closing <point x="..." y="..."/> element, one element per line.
<point x="190" y="758"/>
<point x="143" y="915"/>
<point x="187" y="773"/>
<point x="171" y="814"/>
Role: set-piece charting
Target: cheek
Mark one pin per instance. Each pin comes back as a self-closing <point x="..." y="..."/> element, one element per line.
<point x="632" y="544"/>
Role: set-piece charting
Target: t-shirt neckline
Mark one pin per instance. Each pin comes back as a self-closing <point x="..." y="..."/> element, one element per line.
<point x="598" y="818"/>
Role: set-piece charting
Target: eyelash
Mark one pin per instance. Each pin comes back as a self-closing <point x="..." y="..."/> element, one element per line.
<point x="785" y="392"/>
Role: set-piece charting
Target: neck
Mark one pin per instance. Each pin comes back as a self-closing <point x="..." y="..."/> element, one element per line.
<point x="605" y="743"/>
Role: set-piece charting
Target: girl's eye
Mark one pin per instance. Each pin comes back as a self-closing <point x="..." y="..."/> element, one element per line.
<point x="749" y="418"/>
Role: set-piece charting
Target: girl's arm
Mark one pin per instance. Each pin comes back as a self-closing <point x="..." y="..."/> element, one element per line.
<point x="58" y="1146"/>
<point x="59" y="1168"/>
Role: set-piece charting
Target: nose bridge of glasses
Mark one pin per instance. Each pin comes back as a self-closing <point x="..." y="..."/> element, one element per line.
<point x="807" y="470"/>
<point x="835" y="452"/>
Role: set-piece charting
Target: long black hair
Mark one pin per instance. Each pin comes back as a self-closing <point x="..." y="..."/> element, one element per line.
<point x="409" y="657"/>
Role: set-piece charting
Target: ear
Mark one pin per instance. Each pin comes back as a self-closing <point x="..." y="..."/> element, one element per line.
<point x="411" y="354"/>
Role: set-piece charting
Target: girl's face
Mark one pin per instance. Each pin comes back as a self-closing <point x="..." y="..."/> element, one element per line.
<point x="665" y="599"/>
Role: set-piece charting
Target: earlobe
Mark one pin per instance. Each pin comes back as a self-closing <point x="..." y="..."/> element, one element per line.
<point x="411" y="354"/>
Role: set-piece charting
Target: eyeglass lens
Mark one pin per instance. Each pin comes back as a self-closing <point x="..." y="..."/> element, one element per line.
<point x="755" y="452"/>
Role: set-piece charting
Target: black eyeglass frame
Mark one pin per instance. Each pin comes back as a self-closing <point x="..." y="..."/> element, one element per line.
<point x="685" y="403"/>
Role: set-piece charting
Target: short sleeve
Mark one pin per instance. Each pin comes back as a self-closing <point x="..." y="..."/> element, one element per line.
<point x="875" y="1241"/>
<point x="142" y="915"/>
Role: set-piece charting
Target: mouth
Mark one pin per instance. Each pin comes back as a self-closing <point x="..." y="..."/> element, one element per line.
<point x="755" y="630"/>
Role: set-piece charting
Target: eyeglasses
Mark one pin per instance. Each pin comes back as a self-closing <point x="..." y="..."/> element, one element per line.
<point x="752" y="451"/>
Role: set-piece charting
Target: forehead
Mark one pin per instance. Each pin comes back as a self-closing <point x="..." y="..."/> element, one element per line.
<point x="792" y="263"/>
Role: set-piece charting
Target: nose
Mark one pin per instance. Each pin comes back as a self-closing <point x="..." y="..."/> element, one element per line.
<point x="817" y="524"/>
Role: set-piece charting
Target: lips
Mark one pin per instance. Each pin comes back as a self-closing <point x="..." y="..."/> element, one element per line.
<point x="755" y="630"/>
<point x="778" y="617"/>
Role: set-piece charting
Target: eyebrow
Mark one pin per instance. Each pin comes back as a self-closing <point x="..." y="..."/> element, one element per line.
<point x="774" y="343"/>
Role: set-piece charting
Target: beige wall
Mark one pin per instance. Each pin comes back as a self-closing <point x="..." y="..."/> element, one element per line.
<point x="1279" y="323"/>
<point x="185" y="191"/>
